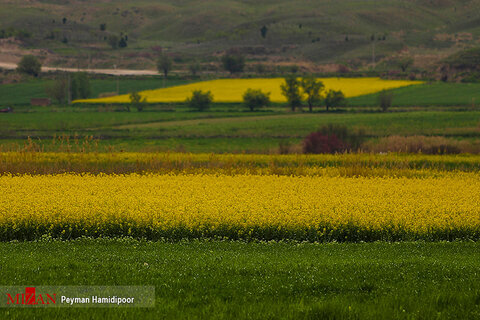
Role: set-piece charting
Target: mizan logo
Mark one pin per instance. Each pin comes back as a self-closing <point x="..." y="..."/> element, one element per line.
<point x="30" y="297"/>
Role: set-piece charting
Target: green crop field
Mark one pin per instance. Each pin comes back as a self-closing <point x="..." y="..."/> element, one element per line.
<point x="236" y="280"/>
<point x="223" y="130"/>
<point x="437" y="94"/>
<point x="21" y="93"/>
<point x="431" y="94"/>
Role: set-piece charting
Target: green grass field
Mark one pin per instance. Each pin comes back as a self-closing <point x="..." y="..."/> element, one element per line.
<point x="427" y="95"/>
<point x="21" y="93"/>
<point x="436" y="94"/>
<point x="236" y="280"/>
<point x="227" y="130"/>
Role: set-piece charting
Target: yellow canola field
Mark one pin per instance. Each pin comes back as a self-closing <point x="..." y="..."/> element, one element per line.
<point x="240" y="207"/>
<point x="232" y="90"/>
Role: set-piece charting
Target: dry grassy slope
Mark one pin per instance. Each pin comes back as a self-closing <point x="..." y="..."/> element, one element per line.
<point x="302" y="29"/>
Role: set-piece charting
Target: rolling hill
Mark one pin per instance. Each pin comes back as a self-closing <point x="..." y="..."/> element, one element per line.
<point x="302" y="31"/>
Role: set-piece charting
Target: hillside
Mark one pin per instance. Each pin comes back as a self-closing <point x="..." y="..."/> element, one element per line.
<point x="304" y="31"/>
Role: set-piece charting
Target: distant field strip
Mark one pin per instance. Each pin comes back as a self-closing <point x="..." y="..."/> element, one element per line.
<point x="349" y="164"/>
<point x="161" y="124"/>
<point x="231" y="90"/>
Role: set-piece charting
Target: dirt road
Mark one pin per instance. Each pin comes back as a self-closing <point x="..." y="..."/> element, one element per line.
<point x="117" y="72"/>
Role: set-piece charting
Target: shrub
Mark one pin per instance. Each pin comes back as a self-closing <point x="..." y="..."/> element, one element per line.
<point x="260" y="68"/>
<point x="353" y="139"/>
<point x="113" y="41"/>
<point x="233" y="63"/>
<point x="200" y="100"/>
<point x="318" y="142"/>
<point x="263" y="31"/>
<point x="284" y="147"/>
<point x="333" y="138"/>
<point x="294" y="68"/>
<point x="255" y="99"/>
<point x="122" y="43"/>
<point x="137" y="101"/>
<point x="29" y="65"/>
<point x="385" y="99"/>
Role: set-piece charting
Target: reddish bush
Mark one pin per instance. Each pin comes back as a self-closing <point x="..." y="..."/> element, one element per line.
<point x="318" y="142"/>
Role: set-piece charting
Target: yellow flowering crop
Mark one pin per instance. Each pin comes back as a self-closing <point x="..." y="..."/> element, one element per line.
<point x="240" y="207"/>
<point x="231" y="90"/>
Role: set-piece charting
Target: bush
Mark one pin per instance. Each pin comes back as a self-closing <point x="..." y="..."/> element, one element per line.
<point x="200" y="100"/>
<point x="260" y="68"/>
<point x="255" y="99"/>
<point x="136" y="101"/>
<point x="29" y="65"/>
<point x="318" y="142"/>
<point x="113" y="41"/>
<point x="233" y="63"/>
<point x="333" y="138"/>
<point x="385" y="100"/>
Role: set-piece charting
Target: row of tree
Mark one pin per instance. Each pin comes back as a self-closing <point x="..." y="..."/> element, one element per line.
<point x="297" y="91"/>
<point x="310" y="90"/>
<point x="230" y="62"/>
<point x="69" y="87"/>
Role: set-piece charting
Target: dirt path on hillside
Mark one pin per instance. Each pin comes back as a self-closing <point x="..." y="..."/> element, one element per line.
<point x="115" y="72"/>
<point x="163" y="124"/>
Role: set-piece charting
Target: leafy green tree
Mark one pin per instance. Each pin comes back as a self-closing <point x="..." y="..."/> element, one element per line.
<point x="80" y="86"/>
<point x="29" y="65"/>
<point x="385" y="99"/>
<point x="291" y="91"/>
<point x="233" y="63"/>
<point x="334" y="98"/>
<point x="113" y="41"/>
<point x="263" y="31"/>
<point x="136" y="101"/>
<point x="58" y="90"/>
<point x="255" y="99"/>
<point x="122" y="43"/>
<point x="405" y="63"/>
<point x="260" y="68"/>
<point x="195" y="68"/>
<point x="200" y="100"/>
<point x="164" y="64"/>
<point x="313" y="90"/>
